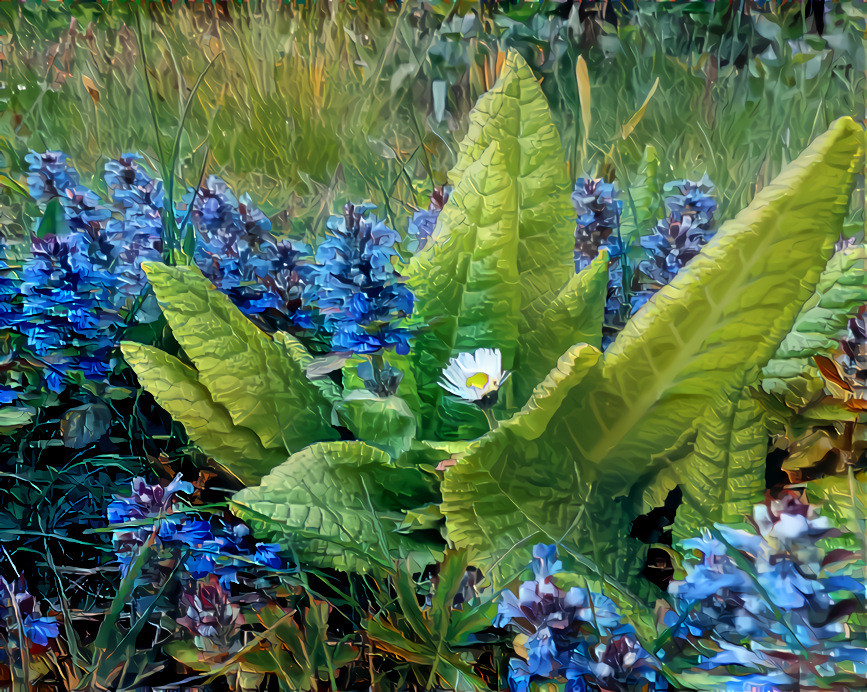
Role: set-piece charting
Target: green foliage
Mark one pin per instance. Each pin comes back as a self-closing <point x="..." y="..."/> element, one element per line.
<point x="721" y="316"/>
<point x="494" y="498"/>
<point x="385" y="422"/>
<point x="844" y="499"/>
<point x="338" y="504"/>
<point x="432" y="640"/>
<point x="724" y="474"/>
<point x="298" y="655"/>
<point x="406" y="390"/>
<point x="643" y="204"/>
<point x="636" y="410"/>
<point x="241" y="367"/>
<point x="503" y="247"/>
<point x="574" y="316"/>
<point x="177" y="389"/>
<point x="791" y="374"/>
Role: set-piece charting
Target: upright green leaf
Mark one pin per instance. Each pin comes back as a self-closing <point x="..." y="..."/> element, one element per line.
<point x="844" y="500"/>
<point x="842" y="289"/>
<point x="177" y="389"/>
<point x="338" y="504"/>
<point x="724" y="314"/>
<point x="724" y="476"/>
<point x="504" y="243"/>
<point x="467" y="285"/>
<point x="497" y="495"/>
<point x="254" y="378"/>
<point x="574" y="316"/>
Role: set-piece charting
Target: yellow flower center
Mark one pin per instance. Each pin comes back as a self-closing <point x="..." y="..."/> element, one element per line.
<point x="479" y="380"/>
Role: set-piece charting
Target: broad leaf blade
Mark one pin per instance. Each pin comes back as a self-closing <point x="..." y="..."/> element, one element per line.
<point x="242" y="368"/>
<point x="496" y="496"/>
<point x="337" y="504"/>
<point x="574" y="316"/>
<point x="724" y="476"/>
<point x="176" y="388"/>
<point x="467" y="286"/>
<point x="724" y="314"/>
<point x="504" y="243"/>
<point x="842" y="289"/>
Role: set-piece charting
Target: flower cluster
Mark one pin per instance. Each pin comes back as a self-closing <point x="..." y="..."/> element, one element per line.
<point x="677" y="238"/>
<point x="84" y="280"/>
<point x="598" y="210"/>
<point x="575" y="634"/>
<point x="221" y="549"/>
<point x="353" y="287"/>
<point x="24" y="614"/>
<point x="210" y="614"/>
<point x="50" y="177"/>
<point x="65" y="312"/>
<point x="82" y="275"/>
<point x="424" y="221"/>
<point x="780" y="621"/>
<point x="238" y="253"/>
<point x="135" y="235"/>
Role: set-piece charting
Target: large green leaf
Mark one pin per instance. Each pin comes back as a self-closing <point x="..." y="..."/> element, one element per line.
<point x="501" y="492"/>
<point x="574" y="316"/>
<point x="791" y="374"/>
<point x="843" y="499"/>
<point x="177" y="389"/>
<point x="515" y="116"/>
<point x="338" y="504"/>
<point x="257" y="380"/>
<point x="504" y="244"/>
<point x="385" y="422"/>
<point x="467" y="285"/>
<point x="724" y="476"/>
<point x="722" y="315"/>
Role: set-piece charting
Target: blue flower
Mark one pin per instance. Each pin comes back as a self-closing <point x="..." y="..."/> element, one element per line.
<point x="49" y="176"/>
<point x="152" y="507"/>
<point x="178" y="527"/>
<point x="519" y="675"/>
<point x="619" y="663"/>
<point x="557" y="625"/>
<point x="598" y="217"/>
<point x="763" y="617"/>
<point x="238" y="253"/>
<point x="40" y="629"/>
<point x="693" y="198"/>
<point x="353" y="287"/>
<point x="65" y="311"/>
<point x="424" y="221"/>
<point x="136" y="236"/>
<point x="676" y="239"/>
<point x="267" y="555"/>
<point x="7" y="395"/>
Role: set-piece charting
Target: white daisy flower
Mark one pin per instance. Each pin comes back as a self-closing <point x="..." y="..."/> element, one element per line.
<point x="473" y="376"/>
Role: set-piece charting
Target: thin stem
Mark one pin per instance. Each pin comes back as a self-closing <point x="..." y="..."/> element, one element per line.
<point x="489" y="414"/>
<point x="22" y="638"/>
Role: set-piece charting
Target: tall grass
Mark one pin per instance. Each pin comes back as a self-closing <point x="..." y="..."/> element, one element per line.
<point x="306" y="105"/>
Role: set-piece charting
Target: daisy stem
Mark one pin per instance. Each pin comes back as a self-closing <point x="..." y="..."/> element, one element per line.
<point x="489" y="414"/>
